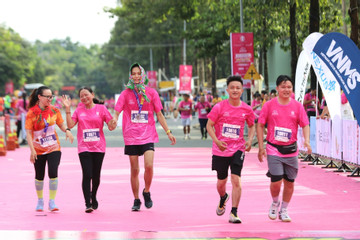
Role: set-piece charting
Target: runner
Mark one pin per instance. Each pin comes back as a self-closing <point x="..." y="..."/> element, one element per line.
<point x="226" y="127"/>
<point x="185" y="108"/>
<point x="90" y="116"/>
<point x="139" y="104"/>
<point x="203" y="108"/>
<point x="44" y="142"/>
<point x="282" y="116"/>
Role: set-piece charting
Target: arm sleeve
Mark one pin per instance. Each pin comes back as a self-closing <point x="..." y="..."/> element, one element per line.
<point x="120" y="103"/>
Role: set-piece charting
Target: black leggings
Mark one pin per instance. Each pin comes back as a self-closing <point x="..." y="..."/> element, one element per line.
<point x="91" y="163"/>
<point x="53" y="160"/>
<point x="203" y="122"/>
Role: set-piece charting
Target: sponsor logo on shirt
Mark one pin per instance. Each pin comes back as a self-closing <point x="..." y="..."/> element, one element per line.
<point x="82" y="114"/>
<point x="292" y="113"/>
<point x="131" y="101"/>
<point x="97" y="113"/>
<point x="275" y="113"/>
<point x="226" y="114"/>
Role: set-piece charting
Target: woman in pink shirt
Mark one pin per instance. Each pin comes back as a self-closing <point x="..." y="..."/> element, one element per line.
<point x="138" y="104"/>
<point x="282" y="115"/>
<point x="203" y="108"/>
<point x="90" y="116"/>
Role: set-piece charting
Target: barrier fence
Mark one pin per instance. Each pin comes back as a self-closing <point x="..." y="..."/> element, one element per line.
<point x="336" y="140"/>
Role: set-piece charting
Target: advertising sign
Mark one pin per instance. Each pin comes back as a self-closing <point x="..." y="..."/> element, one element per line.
<point x="242" y="52"/>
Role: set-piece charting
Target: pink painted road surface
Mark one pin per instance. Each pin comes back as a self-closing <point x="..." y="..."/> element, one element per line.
<point x="325" y="204"/>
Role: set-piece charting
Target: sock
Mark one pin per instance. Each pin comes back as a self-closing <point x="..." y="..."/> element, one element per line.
<point x="234" y="211"/>
<point x="53" y="188"/>
<point x="284" y="205"/>
<point x="276" y="199"/>
<point x="39" y="186"/>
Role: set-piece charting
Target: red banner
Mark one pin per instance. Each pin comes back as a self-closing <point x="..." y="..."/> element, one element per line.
<point x="152" y="76"/>
<point x="185" y="75"/>
<point x="242" y="52"/>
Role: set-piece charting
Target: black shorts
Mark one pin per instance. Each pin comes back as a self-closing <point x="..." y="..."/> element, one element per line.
<point x="222" y="164"/>
<point x="138" y="150"/>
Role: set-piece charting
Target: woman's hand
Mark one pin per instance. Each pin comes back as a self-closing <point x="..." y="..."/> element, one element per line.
<point x="66" y="101"/>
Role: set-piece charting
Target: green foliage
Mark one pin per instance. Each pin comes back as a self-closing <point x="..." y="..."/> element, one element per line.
<point x="18" y="60"/>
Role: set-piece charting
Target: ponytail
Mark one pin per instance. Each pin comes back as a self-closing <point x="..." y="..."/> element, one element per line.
<point x="34" y="95"/>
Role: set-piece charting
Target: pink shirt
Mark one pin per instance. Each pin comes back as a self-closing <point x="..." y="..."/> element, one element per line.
<point x="343" y="98"/>
<point x="201" y="107"/>
<point x="229" y="126"/>
<point x="186" y="105"/>
<point x="139" y="129"/>
<point x="258" y="109"/>
<point x="282" y="123"/>
<point x="90" y="134"/>
<point x="310" y="107"/>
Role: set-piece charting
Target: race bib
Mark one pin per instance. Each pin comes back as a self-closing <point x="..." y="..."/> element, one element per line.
<point x="91" y="135"/>
<point x="231" y="131"/>
<point x="48" y="140"/>
<point x="143" y="117"/>
<point x="282" y="134"/>
<point x="187" y="107"/>
<point x="203" y="111"/>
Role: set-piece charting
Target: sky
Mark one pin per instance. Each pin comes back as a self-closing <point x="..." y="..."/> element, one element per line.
<point x="84" y="21"/>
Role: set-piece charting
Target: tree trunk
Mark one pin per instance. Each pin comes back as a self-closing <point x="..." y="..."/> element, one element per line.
<point x="266" y="71"/>
<point x="314" y="27"/>
<point x="293" y="42"/>
<point x="213" y="75"/>
<point x="343" y="11"/>
<point x="353" y="13"/>
<point x="167" y="61"/>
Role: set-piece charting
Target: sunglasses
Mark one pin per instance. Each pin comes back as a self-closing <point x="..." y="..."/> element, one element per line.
<point x="48" y="97"/>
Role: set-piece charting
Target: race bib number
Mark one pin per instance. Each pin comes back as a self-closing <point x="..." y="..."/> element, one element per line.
<point x="203" y="111"/>
<point x="143" y="117"/>
<point x="231" y="131"/>
<point x="91" y="135"/>
<point x="282" y="134"/>
<point x="187" y="107"/>
<point x="48" y="140"/>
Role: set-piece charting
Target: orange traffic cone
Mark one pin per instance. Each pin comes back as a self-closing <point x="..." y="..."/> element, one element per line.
<point x="10" y="143"/>
<point x="16" y="139"/>
<point x="2" y="146"/>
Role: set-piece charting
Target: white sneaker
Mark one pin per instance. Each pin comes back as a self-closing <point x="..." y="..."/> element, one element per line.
<point x="273" y="210"/>
<point x="283" y="215"/>
<point x="185" y="136"/>
<point x="234" y="218"/>
<point x="189" y="136"/>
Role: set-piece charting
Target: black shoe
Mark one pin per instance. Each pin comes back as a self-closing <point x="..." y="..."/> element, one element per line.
<point x="147" y="198"/>
<point x="88" y="209"/>
<point x="24" y="142"/>
<point x="94" y="204"/>
<point x="137" y="204"/>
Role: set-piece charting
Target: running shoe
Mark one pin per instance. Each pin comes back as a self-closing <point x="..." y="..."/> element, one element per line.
<point x="52" y="206"/>
<point x="89" y="209"/>
<point x="273" y="210"/>
<point x="147" y="198"/>
<point x="137" y="204"/>
<point x="40" y="205"/>
<point x="220" y="210"/>
<point x="234" y="218"/>
<point x="284" y="216"/>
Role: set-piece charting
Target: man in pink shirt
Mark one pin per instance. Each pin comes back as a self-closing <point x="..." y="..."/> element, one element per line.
<point x="225" y="126"/>
<point x="282" y="116"/>
<point x="139" y="103"/>
<point x="185" y="107"/>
